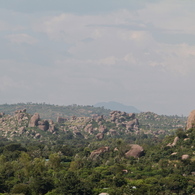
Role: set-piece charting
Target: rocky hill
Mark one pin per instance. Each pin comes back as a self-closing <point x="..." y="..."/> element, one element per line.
<point x="24" y="125"/>
<point x="48" y="111"/>
<point x="21" y="125"/>
<point x="154" y="122"/>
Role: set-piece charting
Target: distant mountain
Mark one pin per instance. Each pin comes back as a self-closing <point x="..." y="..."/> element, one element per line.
<point x="117" y="106"/>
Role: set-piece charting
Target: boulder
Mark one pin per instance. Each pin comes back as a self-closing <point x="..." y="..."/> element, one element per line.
<point x="174" y="142"/>
<point x="100" y="136"/>
<point x="34" y="120"/>
<point x="89" y="129"/>
<point x="51" y="128"/>
<point x="132" y="115"/>
<point x="132" y="125"/>
<point x="94" y="154"/>
<point x="22" y="130"/>
<point x="185" y="157"/>
<point x="99" y="118"/>
<point x="37" y="136"/>
<point x="43" y="125"/>
<point x="102" y="129"/>
<point x="136" y="151"/>
<point x="191" y="120"/>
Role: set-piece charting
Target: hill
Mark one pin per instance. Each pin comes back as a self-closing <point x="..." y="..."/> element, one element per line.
<point x="117" y="106"/>
<point x="50" y="111"/>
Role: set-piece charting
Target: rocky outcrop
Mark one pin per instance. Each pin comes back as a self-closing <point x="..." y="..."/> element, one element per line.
<point x="174" y="142"/>
<point x="89" y="129"/>
<point x="112" y="132"/>
<point x="34" y="120"/>
<point x="43" y="125"/>
<point x="132" y="125"/>
<point x="136" y="151"/>
<point x="100" y="136"/>
<point x="97" y="152"/>
<point x="185" y="157"/>
<point x="191" y="120"/>
<point x="102" y="129"/>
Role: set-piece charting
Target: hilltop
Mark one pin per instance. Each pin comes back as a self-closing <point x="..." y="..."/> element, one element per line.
<point x="51" y="111"/>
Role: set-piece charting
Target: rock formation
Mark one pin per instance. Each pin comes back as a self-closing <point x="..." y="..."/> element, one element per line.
<point x="191" y="120"/>
<point x="174" y="142"/>
<point x="136" y="151"/>
<point x="97" y="152"/>
<point x="43" y="125"/>
<point x="89" y="129"/>
<point x="100" y="136"/>
<point x="34" y="120"/>
<point x="185" y="157"/>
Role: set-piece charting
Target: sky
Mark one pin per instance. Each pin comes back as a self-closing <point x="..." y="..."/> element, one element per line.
<point x="62" y="52"/>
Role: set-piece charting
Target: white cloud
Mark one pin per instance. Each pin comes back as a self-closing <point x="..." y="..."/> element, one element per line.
<point x="122" y="55"/>
<point x="21" y="38"/>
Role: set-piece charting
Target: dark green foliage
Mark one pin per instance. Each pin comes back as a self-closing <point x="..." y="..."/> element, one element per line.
<point x="180" y="133"/>
<point x="21" y="189"/>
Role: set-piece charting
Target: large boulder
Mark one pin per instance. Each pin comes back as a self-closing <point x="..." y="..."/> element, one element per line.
<point x="136" y="151"/>
<point x="191" y="120"/>
<point x="34" y="120"/>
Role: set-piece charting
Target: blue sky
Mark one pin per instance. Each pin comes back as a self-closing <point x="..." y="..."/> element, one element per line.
<point x="139" y="53"/>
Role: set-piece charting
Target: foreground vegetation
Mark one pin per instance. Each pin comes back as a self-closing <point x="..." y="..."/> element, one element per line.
<point x="88" y="155"/>
<point x="66" y="168"/>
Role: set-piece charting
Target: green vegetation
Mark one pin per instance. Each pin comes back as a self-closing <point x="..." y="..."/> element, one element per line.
<point x="48" y="111"/>
<point x="69" y="159"/>
<point x="61" y="168"/>
<point x="153" y="122"/>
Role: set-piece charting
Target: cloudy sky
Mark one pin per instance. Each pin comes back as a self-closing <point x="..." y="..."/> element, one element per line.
<point x="139" y="53"/>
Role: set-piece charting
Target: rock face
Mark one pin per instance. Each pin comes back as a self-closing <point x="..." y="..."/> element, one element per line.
<point x="34" y="120"/>
<point x="136" y="151"/>
<point x="191" y="120"/>
<point x="97" y="152"/>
